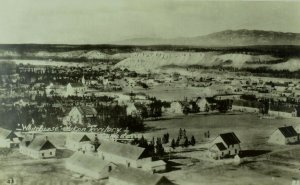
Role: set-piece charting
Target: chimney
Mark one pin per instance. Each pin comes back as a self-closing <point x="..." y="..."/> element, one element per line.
<point x="46" y="137"/>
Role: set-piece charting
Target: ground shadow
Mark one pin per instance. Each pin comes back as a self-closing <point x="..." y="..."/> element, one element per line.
<point x="163" y="119"/>
<point x="252" y="153"/>
<point x="63" y="153"/>
<point x="172" y="166"/>
<point x="148" y="129"/>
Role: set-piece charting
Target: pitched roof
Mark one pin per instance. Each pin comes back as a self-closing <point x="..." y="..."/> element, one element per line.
<point x="40" y="143"/>
<point x="230" y="138"/>
<point x="87" y="110"/>
<point x="4" y="133"/>
<point x="138" y="177"/>
<point x="78" y="137"/>
<point x="220" y="146"/>
<point x="77" y="85"/>
<point x="90" y="162"/>
<point x="288" y="131"/>
<point x="124" y="150"/>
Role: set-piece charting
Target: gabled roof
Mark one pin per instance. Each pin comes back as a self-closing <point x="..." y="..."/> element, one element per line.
<point x="87" y="110"/>
<point x="220" y="146"/>
<point x="4" y="133"/>
<point x="230" y="138"/>
<point x="139" y="177"/>
<point x="288" y="131"/>
<point x="40" y="143"/>
<point x="76" y="84"/>
<point x="90" y="162"/>
<point x="78" y="137"/>
<point x="124" y="150"/>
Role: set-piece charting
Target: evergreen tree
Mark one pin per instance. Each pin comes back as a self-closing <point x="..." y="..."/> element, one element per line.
<point x="193" y="141"/>
<point x="173" y="144"/>
<point x="186" y="142"/>
<point x="180" y="133"/>
<point x="159" y="148"/>
<point x="177" y="141"/>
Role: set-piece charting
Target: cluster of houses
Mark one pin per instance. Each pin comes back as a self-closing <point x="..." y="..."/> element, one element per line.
<point x="228" y="144"/>
<point x="71" y="89"/>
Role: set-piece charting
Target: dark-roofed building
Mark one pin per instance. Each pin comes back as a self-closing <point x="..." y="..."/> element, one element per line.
<point x="217" y="151"/>
<point x="38" y="148"/>
<point x="88" y="165"/>
<point x="125" y="176"/>
<point x="126" y="154"/>
<point x="8" y="138"/>
<point x="226" y="144"/>
<point x="80" y="115"/>
<point x="284" y="135"/>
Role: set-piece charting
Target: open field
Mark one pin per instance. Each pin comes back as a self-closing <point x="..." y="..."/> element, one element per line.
<point x="191" y="167"/>
<point x="252" y="130"/>
<point x="27" y="171"/>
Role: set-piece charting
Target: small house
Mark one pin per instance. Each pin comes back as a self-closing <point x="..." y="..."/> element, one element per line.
<point x="79" y="142"/>
<point x="126" y="154"/>
<point x="226" y="144"/>
<point x="8" y="139"/>
<point x="284" y="135"/>
<point x="80" y="115"/>
<point x="122" y="175"/>
<point x="88" y="165"/>
<point x="38" y="148"/>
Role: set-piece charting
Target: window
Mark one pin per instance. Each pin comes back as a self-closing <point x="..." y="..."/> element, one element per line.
<point x="109" y="168"/>
<point x="50" y="153"/>
<point x="43" y="154"/>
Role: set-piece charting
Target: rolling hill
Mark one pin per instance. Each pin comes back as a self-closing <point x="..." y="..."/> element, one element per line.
<point x="224" y="38"/>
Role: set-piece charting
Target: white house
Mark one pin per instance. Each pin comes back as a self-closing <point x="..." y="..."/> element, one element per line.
<point x="132" y="110"/>
<point x="125" y="176"/>
<point x="129" y="155"/>
<point x="284" y="135"/>
<point x="176" y="108"/>
<point x="54" y="89"/>
<point x="38" y="148"/>
<point x="88" y="165"/>
<point x="226" y="144"/>
<point x="79" y="142"/>
<point x="126" y="154"/>
<point x="8" y="138"/>
<point x="154" y="166"/>
<point x="79" y="115"/>
<point x="75" y="89"/>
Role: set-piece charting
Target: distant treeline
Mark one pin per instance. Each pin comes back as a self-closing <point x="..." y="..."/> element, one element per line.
<point x="275" y="50"/>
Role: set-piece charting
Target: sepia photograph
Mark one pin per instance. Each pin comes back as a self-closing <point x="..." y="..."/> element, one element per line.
<point x="149" y="92"/>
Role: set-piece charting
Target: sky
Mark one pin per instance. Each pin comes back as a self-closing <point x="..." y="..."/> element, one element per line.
<point x="107" y="21"/>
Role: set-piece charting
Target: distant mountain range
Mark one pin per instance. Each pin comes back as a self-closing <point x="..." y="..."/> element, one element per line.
<point x="224" y="38"/>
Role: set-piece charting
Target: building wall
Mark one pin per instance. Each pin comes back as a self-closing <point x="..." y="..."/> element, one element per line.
<point x="81" y="170"/>
<point x="75" y="145"/>
<point x="281" y="114"/>
<point x="176" y="108"/>
<point x="115" y="181"/>
<point x="244" y="109"/>
<point x="118" y="159"/>
<point x="74" y="116"/>
<point x="38" y="154"/>
<point x="277" y="138"/>
<point x="231" y="150"/>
